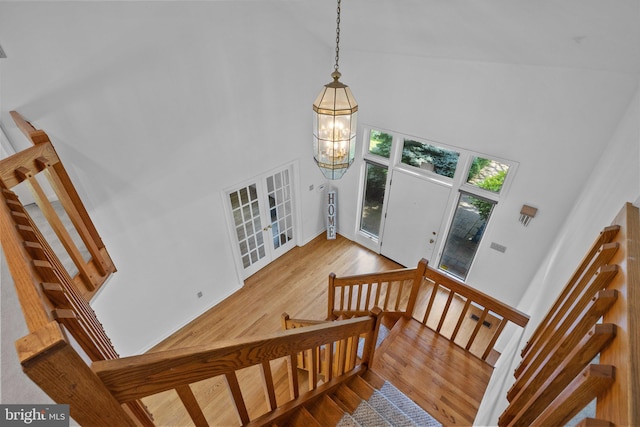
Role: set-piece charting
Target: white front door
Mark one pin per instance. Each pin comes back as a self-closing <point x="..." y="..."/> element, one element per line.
<point x="414" y="217"/>
<point x="261" y="216"/>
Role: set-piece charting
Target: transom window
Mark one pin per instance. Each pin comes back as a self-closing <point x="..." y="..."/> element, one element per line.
<point x="487" y="174"/>
<point x="429" y="157"/>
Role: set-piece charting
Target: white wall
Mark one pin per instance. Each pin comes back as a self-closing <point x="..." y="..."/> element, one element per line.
<point x="615" y="181"/>
<point x="157" y="107"/>
<point x="553" y="121"/>
<point x="154" y="109"/>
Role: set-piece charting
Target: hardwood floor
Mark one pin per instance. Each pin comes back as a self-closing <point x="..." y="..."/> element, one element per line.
<point x="296" y="283"/>
<point x="437" y="375"/>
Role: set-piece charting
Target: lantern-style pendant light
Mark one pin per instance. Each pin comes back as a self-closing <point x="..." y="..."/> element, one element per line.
<point x="334" y="122"/>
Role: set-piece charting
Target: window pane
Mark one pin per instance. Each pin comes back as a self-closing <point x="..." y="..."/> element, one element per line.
<point x="467" y="228"/>
<point x="487" y="174"/>
<point x="374" y="189"/>
<point x="429" y="157"/>
<point x="380" y="143"/>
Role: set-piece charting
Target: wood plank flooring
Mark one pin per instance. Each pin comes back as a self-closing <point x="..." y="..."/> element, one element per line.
<point x="296" y="283"/>
<point x="436" y="374"/>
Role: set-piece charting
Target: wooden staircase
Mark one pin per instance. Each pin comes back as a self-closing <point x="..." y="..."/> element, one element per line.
<point x="359" y="402"/>
<point x="420" y="363"/>
<point x="439" y="349"/>
<point x="332" y="354"/>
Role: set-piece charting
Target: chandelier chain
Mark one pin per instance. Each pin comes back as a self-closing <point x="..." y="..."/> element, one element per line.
<point x="337" y="37"/>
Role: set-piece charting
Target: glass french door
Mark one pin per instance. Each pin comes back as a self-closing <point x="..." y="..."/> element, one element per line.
<point x="262" y="214"/>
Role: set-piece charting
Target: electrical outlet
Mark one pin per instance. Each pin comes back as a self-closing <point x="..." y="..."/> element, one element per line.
<point x="498" y="247"/>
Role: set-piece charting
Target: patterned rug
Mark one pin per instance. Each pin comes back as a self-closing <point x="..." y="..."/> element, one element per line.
<point x="388" y="407"/>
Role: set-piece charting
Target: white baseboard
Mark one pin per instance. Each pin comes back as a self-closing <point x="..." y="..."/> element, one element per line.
<point x="188" y="320"/>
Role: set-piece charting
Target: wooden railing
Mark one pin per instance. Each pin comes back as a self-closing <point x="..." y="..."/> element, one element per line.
<point x="55" y="305"/>
<point x="24" y="167"/>
<point x="136" y="377"/>
<point x="432" y="298"/>
<point x="587" y="346"/>
<point x="392" y="291"/>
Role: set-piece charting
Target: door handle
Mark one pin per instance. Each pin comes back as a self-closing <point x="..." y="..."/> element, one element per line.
<point x="266" y="228"/>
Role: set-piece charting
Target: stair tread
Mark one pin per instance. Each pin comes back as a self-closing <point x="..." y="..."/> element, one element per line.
<point x="408" y="407"/>
<point x="326" y="411"/>
<point x="393" y="332"/>
<point x="303" y="418"/>
<point x="366" y="415"/>
<point x="348" y="399"/>
<point x="414" y="351"/>
<point x="361" y="387"/>
<point x="373" y="378"/>
<point x="348" y="421"/>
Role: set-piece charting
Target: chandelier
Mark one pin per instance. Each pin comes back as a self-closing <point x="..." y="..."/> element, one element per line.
<point x="334" y="122"/>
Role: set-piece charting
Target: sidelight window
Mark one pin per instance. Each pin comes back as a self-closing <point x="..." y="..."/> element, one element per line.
<point x="422" y="198"/>
<point x="466" y="231"/>
<point x="372" y="203"/>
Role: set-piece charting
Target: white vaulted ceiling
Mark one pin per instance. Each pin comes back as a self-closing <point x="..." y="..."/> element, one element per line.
<point x="591" y="34"/>
<point x="157" y="107"/>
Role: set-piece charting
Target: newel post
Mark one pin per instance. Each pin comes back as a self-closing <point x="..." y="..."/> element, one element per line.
<point x="415" y="288"/>
<point x="331" y="296"/>
<point x="53" y="364"/>
<point x="372" y="337"/>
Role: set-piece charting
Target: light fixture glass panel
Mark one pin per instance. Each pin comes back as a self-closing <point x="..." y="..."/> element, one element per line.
<point x="334" y="130"/>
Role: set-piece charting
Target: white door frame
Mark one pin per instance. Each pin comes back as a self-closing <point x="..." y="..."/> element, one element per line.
<point x="260" y="181"/>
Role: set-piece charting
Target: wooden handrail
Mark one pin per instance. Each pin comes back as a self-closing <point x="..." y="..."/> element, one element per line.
<point x="34" y="135"/>
<point x="595" y="315"/>
<point x="605" y="237"/>
<point x="397" y="292"/>
<point x="136" y="377"/>
<point x="356" y="295"/>
<point x="511" y="314"/>
<point x="54" y="304"/>
<point x="42" y="158"/>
